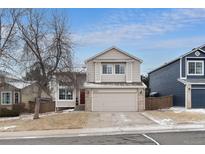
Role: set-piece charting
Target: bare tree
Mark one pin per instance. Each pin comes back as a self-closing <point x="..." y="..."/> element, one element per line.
<point x="47" y="49"/>
<point x="8" y="35"/>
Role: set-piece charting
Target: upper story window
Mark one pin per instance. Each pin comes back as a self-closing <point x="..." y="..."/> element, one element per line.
<point x="195" y="68"/>
<point x="107" y="68"/>
<point x="119" y="68"/>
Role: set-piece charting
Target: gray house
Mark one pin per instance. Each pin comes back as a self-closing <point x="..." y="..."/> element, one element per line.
<point x="183" y="78"/>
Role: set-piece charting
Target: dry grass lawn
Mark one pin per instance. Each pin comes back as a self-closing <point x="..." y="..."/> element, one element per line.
<point x="178" y="117"/>
<point x="72" y="120"/>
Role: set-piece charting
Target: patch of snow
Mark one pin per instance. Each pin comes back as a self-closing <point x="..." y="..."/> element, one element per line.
<point x="196" y="110"/>
<point x="166" y="122"/>
<point x="68" y="110"/>
<point x="124" y="118"/>
<point x="182" y="109"/>
<point x="7" y="127"/>
<point x="9" y="118"/>
<point x="162" y="122"/>
<point x="177" y="109"/>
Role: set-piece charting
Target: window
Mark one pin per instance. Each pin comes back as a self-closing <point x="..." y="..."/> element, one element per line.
<point x="195" y="67"/>
<point x="65" y="94"/>
<point x="16" y="97"/>
<point x="107" y="68"/>
<point x="6" y="98"/>
<point x="119" y="68"/>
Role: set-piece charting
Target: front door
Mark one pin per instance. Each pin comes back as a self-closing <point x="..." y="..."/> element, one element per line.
<point x="82" y="96"/>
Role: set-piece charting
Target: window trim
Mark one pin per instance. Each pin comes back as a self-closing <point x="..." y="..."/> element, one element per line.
<point x="120" y="64"/>
<point x="191" y="74"/>
<point x="65" y="87"/>
<point x="2" y="97"/>
<point x="106" y="73"/>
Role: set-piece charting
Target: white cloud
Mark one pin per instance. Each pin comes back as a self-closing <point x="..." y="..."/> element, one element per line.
<point x="126" y="25"/>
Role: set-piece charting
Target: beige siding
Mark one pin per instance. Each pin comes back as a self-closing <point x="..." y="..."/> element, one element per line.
<point x="113" y="54"/>
<point x="132" y="70"/>
<point x="97" y="72"/>
<point x="90" y="71"/>
<point x="88" y="100"/>
<point x="113" y="78"/>
<point x="128" y="71"/>
<point x="136" y="71"/>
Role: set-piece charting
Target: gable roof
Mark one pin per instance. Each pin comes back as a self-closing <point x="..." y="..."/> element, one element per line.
<point x="170" y="62"/>
<point x="113" y="47"/>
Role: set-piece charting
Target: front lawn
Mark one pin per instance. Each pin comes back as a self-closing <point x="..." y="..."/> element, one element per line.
<point x="71" y="120"/>
<point x="171" y="117"/>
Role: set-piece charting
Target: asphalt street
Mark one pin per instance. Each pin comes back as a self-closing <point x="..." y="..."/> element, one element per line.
<point x="173" y="138"/>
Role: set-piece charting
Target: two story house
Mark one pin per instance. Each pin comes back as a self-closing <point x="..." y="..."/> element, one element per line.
<point x="113" y="82"/>
<point x="183" y="78"/>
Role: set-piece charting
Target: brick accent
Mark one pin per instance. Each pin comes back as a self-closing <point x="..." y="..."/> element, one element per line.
<point x="154" y="103"/>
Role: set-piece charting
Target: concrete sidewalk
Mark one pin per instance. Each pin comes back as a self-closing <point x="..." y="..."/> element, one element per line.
<point x="101" y="131"/>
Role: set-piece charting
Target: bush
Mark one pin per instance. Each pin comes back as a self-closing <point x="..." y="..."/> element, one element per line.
<point x="9" y="113"/>
<point x="19" y="107"/>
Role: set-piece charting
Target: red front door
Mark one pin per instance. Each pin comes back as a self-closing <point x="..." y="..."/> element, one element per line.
<point x="82" y="96"/>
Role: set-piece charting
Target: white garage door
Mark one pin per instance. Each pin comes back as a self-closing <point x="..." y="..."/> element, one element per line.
<point x="114" y="101"/>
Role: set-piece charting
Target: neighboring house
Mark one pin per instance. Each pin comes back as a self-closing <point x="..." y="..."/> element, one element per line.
<point x="16" y="91"/>
<point x="68" y="90"/>
<point x="183" y="78"/>
<point x="113" y="82"/>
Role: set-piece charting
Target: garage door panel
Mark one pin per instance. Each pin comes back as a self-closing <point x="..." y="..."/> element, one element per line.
<point x="198" y="98"/>
<point x="114" y="101"/>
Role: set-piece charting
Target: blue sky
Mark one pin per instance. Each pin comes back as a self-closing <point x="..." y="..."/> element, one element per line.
<point x="154" y="35"/>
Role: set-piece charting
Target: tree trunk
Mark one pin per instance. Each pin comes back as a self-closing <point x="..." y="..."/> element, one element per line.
<point x="37" y="104"/>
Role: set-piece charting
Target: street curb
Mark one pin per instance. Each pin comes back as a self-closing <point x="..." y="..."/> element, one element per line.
<point x="115" y="131"/>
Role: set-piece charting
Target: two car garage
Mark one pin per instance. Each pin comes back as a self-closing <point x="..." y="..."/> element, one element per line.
<point x="114" y="100"/>
<point x="117" y="100"/>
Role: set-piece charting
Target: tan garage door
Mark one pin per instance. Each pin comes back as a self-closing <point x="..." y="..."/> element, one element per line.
<point x="114" y="101"/>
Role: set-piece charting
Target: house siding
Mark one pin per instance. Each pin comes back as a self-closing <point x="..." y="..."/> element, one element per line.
<point x="192" y="56"/>
<point x="136" y="71"/>
<point x="90" y="71"/>
<point x="165" y="82"/>
<point x="112" y="54"/>
<point x="94" y="69"/>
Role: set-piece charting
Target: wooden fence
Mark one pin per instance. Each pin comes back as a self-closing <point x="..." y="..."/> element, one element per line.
<point x="45" y="106"/>
<point x="154" y="103"/>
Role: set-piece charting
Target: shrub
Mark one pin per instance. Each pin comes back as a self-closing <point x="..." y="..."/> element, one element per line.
<point x="9" y="113"/>
<point x="19" y="107"/>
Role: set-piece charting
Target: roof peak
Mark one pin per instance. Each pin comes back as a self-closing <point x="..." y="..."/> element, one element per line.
<point x="110" y="48"/>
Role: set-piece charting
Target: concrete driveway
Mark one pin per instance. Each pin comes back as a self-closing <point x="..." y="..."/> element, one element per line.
<point x="116" y="119"/>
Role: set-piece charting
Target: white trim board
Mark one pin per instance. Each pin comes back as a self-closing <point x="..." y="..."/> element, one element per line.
<point x="195" y="61"/>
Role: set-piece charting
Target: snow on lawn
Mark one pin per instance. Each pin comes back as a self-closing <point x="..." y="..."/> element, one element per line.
<point x="7" y="127"/>
<point x="176" y="115"/>
<point x="182" y="109"/>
